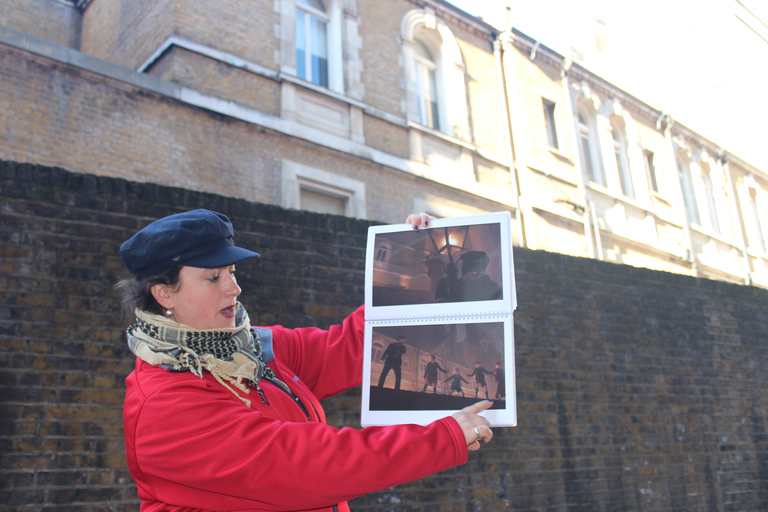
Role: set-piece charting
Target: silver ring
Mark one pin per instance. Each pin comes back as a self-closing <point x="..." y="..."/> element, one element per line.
<point x="479" y="437"/>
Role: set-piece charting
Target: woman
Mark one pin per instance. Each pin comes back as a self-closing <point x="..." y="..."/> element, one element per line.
<point x="222" y="416"/>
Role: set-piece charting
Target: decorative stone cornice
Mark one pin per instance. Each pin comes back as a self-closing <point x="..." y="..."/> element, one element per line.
<point x="460" y="18"/>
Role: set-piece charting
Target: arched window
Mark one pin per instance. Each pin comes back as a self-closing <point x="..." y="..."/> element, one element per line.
<point x="620" y="153"/>
<point x="755" y="237"/>
<point x="709" y="196"/>
<point x="686" y="183"/>
<point x="312" y="42"/>
<point x="383" y="252"/>
<point x="588" y="147"/>
<point x="435" y="81"/>
<point x="426" y="85"/>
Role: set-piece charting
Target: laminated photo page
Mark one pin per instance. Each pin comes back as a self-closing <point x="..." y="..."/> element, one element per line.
<point x="439" y="321"/>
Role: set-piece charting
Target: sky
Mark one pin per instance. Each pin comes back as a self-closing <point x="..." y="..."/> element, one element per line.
<point x="702" y="61"/>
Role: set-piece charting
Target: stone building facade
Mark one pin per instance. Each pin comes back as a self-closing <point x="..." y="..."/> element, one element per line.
<point x="372" y="110"/>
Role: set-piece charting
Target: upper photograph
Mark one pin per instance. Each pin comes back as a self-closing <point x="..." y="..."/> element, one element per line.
<point x="461" y="263"/>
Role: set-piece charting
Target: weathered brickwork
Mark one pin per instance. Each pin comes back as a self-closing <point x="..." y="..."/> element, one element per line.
<point x="383" y="73"/>
<point x="54" y="115"/>
<point x="54" y="21"/>
<point x="127" y="32"/>
<point x="484" y="95"/>
<point x="245" y="29"/>
<point x="386" y="136"/>
<point x="217" y="78"/>
<point x="637" y="390"/>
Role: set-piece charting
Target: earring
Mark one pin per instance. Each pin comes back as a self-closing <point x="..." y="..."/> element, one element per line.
<point x="169" y="313"/>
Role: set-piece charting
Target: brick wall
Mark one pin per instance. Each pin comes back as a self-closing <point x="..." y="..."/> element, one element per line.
<point x="57" y="22"/>
<point x="637" y="390"/>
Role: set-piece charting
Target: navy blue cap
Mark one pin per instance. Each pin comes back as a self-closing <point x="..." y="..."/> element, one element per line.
<point x="199" y="238"/>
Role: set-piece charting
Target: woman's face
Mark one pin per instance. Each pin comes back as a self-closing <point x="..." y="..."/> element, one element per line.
<point x="205" y="297"/>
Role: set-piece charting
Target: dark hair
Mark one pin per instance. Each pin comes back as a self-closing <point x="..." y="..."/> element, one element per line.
<point x="136" y="292"/>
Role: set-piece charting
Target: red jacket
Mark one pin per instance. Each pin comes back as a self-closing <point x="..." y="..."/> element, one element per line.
<point x="191" y="444"/>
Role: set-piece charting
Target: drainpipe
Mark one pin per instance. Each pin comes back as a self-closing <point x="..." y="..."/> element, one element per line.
<point x="722" y="159"/>
<point x="671" y="147"/>
<point x="582" y="188"/>
<point x="515" y="178"/>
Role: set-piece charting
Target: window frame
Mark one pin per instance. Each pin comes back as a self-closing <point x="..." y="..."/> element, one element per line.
<point x="298" y="176"/>
<point x="453" y="109"/>
<point x="650" y="168"/>
<point x="621" y="155"/>
<point x="689" y="194"/>
<point x="310" y="14"/>
<point x="550" y="122"/>
<point x="754" y="225"/>
<point x="595" y="172"/>
<point x="428" y="97"/>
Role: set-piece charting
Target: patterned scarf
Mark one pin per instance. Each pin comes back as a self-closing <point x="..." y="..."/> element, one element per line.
<point x="230" y="355"/>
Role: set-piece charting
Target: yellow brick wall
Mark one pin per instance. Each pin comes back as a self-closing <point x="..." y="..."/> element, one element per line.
<point x="219" y="79"/>
<point x="383" y="73"/>
<point x="56" y="22"/>
<point x="386" y="136"/>
<point x="126" y="32"/>
<point x="57" y="116"/>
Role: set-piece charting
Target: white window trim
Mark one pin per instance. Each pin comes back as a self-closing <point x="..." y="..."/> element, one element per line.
<point x="621" y="157"/>
<point x="452" y="98"/>
<point x="756" y="234"/>
<point x="685" y="178"/>
<point x="297" y="176"/>
<point x="555" y="124"/>
<point x="424" y="90"/>
<point x="633" y="153"/>
<point x="311" y="12"/>
<point x="590" y="116"/>
<point x="287" y="57"/>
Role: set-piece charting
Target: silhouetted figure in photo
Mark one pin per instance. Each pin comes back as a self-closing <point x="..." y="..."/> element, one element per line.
<point x="474" y="283"/>
<point x="435" y="271"/>
<point x="498" y="374"/>
<point x="456" y="379"/>
<point x="393" y="360"/>
<point x="430" y="374"/>
<point x="479" y="374"/>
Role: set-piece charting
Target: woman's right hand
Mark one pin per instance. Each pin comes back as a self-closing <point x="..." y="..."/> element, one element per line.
<point x="469" y="420"/>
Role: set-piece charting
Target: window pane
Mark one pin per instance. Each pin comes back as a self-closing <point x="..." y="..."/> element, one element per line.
<point x="651" y="169"/>
<point x="319" y="49"/>
<point x="434" y="121"/>
<point x="626" y="186"/>
<point x="549" y="121"/>
<point x="422" y="93"/>
<point x="709" y="190"/>
<point x="754" y="232"/>
<point x="301" y="46"/>
<point x="622" y="166"/>
<point x="585" y="149"/>
<point x="688" y="197"/>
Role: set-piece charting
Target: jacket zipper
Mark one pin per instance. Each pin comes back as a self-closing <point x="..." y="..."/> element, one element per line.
<point x="296" y="399"/>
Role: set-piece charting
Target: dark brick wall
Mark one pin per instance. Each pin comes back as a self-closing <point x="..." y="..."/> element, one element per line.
<point x="637" y="390"/>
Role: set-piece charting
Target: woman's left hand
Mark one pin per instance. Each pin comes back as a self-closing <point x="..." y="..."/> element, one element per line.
<point x="419" y="220"/>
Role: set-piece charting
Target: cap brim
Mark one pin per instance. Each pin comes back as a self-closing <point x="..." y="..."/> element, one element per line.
<point x="222" y="257"/>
